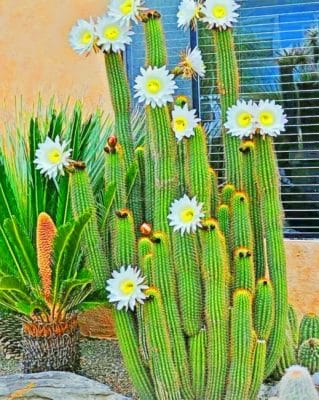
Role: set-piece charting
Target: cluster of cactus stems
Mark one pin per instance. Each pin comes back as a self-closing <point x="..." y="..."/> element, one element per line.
<point x="213" y="326"/>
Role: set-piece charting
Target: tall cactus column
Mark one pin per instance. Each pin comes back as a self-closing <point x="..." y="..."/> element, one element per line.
<point x="228" y="88"/>
<point x="268" y="180"/>
<point x="162" y="141"/>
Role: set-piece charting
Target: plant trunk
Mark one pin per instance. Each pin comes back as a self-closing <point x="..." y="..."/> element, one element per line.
<point x="51" y="346"/>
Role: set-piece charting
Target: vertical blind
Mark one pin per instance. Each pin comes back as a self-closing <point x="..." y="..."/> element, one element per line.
<point x="277" y="46"/>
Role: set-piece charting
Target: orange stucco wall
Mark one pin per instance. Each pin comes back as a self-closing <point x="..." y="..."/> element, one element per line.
<point x="35" y="57"/>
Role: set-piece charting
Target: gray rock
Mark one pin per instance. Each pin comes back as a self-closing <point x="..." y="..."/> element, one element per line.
<point x="54" y="386"/>
<point x="268" y="392"/>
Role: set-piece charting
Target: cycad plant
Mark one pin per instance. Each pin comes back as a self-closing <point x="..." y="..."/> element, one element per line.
<point x="45" y="285"/>
<point x="200" y="286"/>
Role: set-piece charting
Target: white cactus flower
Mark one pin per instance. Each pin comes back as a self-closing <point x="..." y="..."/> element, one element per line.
<point x="183" y="122"/>
<point x="240" y="119"/>
<point x="188" y="13"/>
<point x="155" y="86"/>
<point x="192" y="63"/>
<point x="112" y="34"/>
<point x="220" y="14"/>
<point x="125" y="10"/>
<point x="185" y="215"/>
<point x="126" y="288"/>
<point x="52" y="157"/>
<point x="269" y="118"/>
<point x="82" y="36"/>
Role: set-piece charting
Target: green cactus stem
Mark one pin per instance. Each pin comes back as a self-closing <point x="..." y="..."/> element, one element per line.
<point x="215" y="273"/>
<point x="167" y="383"/>
<point x="188" y="282"/>
<point x="129" y="345"/>
<point x="227" y="193"/>
<point x="258" y="365"/>
<point x="268" y="182"/>
<point x="223" y="217"/>
<point x="244" y="275"/>
<point x="156" y="52"/>
<point x="140" y="156"/>
<point x="309" y="327"/>
<point x="197" y="355"/>
<point x="123" y="246"/>
<point x="126" y="329"/>
<point x="293" y="324"/>
<point x="228" y="88"/>
<point x="199" y="181"/>
<point x="215" y="193"/>
<point x="249" y="185"/>
<point x="121" y="101"/>
<point x="263" y="309"/>
<point x="82" y="200"/>
<point x="242" y="340"/>
<point x="241" y="229"/>
<point x="165" y="281"/>
<point x="308" y="355"/>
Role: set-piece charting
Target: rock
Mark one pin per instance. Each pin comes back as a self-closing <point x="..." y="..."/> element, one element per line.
<point x="54" y="386"/>
<point x="268" y="392"/>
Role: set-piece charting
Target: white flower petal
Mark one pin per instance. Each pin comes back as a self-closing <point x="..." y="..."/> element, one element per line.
<point x="51" y="157"/>
<point x="126" y="288"/>
<point x="187" y="13"/>
<point x="269" y="118"/>
<point x="220" y="14"/>
<point x="184" y="121"/>
<point x="82" y="37"/>
<point x="125" y="10"/>
<point x="240" y="119"/>
<point x="112" y="34"/>
<point x="185" y="215"/>
<point x="155" y="86"/>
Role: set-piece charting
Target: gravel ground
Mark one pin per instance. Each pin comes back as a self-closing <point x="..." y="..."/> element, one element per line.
<point x="101" y="360"/>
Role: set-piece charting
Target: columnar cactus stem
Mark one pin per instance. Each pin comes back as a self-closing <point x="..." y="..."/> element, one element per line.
<point x="308" y="355"/>
<point x="244" y="276"/>
<point x="240" y="221"/>
<point x="121" y="101"/>
<point x="188" y="282"/>
<point x="126" y="329"/>
<point x="129" y="345"/>
<point x="249" y="185"/>
<point x="167" y="383"/>
<point x="227" y="193"/>
<point x="258" y="365"/>
<point x="82" y="201"/>
<point x="309" y="327"/>
<point x="199" y="182"/>
<point x="215" y="275"/>
<point x="164" y="280"/>
<point x="215" y="193"/>
<point x="223" y="217"/>
<point x="268" y="181"/>
<point x="263" y="309"/>
<point x="293" y="324"/>
<point x="156" y="52"/>
<point x="241" y="346"/>
<point x="228" y="88"/>
<point x="197" y="355"/>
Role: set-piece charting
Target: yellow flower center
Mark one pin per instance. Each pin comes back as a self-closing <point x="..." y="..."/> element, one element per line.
<point x="244" y="119"/>
<point x="55" y="156"/>
<point x="86" y="37"/>
<point x="267" y="118"/>
<point x="126" y="7"/>
<point x="180" y="124"/>
<point x="112" y="32"/>
<point x="127" y="286"/>
<point x="219" y="11"/>
<point x="187" y="215"/>
<point x="154" y="86"/>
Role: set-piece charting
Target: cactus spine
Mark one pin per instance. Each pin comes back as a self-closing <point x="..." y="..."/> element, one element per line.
<point x="82" y="201"/>
<point x="297" y="385"/>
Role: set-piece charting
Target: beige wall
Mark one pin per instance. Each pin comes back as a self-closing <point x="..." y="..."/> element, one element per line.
<point x="35" y="56"/>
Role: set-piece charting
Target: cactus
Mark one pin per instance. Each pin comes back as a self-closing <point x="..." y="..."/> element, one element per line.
<point x="308" y="355"/>
<point x="213" y="325"/>
<point x="297" y="385"/>
<point x="309" y="327"/>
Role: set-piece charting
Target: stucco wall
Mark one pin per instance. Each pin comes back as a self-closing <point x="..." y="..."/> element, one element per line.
<point x="35" y="56"/>
<point x="303" y="274"/>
